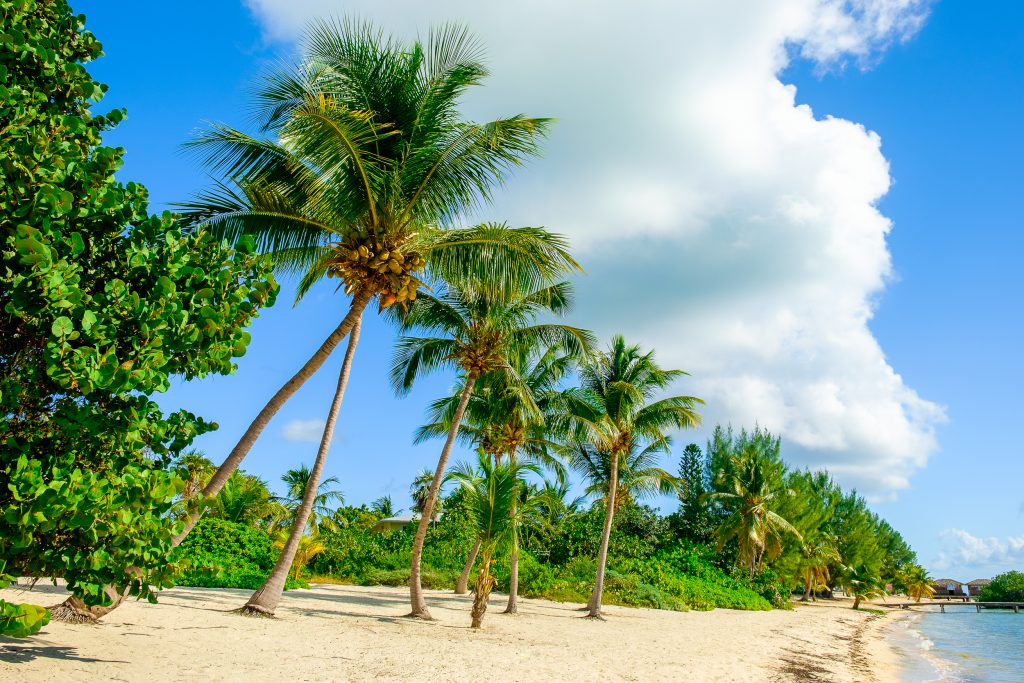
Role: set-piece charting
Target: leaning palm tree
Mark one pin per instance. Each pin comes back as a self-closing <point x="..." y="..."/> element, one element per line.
<point x="476" y="332"/>
<point x="491" y="492"/>
<point x="753" y="485"/>
<point x="500" y="420"/>
<point x="321" y="514"/>
<point x="614" y="415"/>
<point x="362" y="164"/>
<point x="266" y="598"/>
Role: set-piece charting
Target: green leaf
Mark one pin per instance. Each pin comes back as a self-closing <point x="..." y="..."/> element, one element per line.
<point x="62" y="326"/>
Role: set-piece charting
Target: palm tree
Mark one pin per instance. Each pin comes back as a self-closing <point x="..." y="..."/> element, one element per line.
<point x="265" y="600"/>
<point x="554" y="507"/>
<point x="385" y="507"/>
<point x="753" y="484"/>
<point x="476" y="332"/>
<point x="419" y="491"/>
<point x="309" y="547"/>
<point x="917" y="582"/>
<point x="638" y="474"/>
<point x="199" y="469"/>
<point x="613" y="416"/>
<point x="862" y="582"/>
<point x="321" y="515"/>
<point x="501" y="421"/>
<point x="491" y="494"/>
<point x="364" y="164"/>
<point x="815" y="559"/>
<point x="245" y="499"/>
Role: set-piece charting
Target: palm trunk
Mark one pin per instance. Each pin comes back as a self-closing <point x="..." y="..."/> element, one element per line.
<point x="602" y="556"/>
<point x="856" y="602"/>
<point x="807" y="589"/>
<point x="462" y="587"/>
<point x="482" y="591"/>
<point x="419" y="605"/>
<point x="265" y="600"/>
<point x="263" y="418"/>
<point x="513" y="575"/>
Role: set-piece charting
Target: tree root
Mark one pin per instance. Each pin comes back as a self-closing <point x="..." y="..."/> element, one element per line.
<point x="255" y="611"/>
<point x="67" y="614"/>
<point x="422" y="616"/>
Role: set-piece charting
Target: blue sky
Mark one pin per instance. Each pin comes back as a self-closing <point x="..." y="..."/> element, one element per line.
<point x="757" y="253"/>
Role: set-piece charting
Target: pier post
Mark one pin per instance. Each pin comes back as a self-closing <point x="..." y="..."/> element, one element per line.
<point x="977" y="607"/>
<point x="942" y="608"/>
<point x="1016" y="609"/>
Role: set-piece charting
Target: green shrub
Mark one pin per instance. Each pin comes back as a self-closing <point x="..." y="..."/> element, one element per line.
<point x="1008" y="587"/>
<point x="223" y="554"/>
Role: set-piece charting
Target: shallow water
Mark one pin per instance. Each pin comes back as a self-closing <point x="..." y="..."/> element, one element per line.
<point x="962" y="646"/>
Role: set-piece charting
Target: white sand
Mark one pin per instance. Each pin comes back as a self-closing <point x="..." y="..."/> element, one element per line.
<point x="349" y="633"/>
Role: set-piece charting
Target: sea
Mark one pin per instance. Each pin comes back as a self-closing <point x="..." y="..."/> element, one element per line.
<point x="961" y="646"/>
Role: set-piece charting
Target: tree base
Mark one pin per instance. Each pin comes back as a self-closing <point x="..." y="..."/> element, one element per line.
<point x="255" y="611"/>
<point x="511" y="610"/>
<point x="69" y="614"/>
<point x="421" y="615"/>
<point x="74" y="611"/>
<point x="594" y="617"/>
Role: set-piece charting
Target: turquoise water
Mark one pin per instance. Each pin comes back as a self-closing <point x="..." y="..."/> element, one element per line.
<point x="962" y="646"/>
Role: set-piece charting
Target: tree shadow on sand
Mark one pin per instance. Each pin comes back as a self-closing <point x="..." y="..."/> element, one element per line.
<point x="16" y="652"/>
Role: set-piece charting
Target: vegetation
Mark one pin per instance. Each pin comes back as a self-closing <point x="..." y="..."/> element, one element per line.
<point x="1008" y="587"/>
<point x="101" y="305"/>
<point x="360" y="170"/>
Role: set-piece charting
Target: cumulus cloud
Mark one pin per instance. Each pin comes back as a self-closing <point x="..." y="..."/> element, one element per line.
<point x="962" y="548"/>
<point x="720" y="220"/>
<point x="304" y="431"/>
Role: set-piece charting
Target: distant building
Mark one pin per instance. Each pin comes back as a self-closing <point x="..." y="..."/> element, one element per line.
<point x="392" y="523"/>
<point x="975" y="586"/>
<point x="947" y="587"/>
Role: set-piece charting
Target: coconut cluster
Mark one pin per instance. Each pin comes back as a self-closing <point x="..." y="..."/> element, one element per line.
<point x="382" y="266"/>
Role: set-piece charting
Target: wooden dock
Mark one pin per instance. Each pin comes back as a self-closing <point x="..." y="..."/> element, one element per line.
<point x="1017" y="607"/>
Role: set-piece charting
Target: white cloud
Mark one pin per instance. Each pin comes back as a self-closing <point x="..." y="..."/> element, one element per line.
<point x="304" y="431"/>
<point x="962" y="548"/>
<point x="719" y="220"/>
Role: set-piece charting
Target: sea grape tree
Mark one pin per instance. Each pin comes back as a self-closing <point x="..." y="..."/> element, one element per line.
<point x="101" y="305"/>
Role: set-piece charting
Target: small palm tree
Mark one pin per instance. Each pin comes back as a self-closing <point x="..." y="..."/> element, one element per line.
<point x="554" y="508"/>
<point x="862" y="582"/>
<point x="245" y="499"/>
<point x="361" y="166"/>
<point x="638" y="476"/>
<point x="753" y="485"/>
<point x="613" y="416"/>
<point x="815" y="559"/>
<point x="419" y="491"/>
<point x="325" y="503"/>
<point x="385" y="507"/>
<point x="476" y="332"/>
<point x="917" y="582"/>
<point x="509" y="420"/>
<point x="309" y="547"/>
<point x="491" y="492"/>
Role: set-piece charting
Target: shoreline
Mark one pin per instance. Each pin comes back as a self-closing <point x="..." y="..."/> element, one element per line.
<point x="355" y="633"/>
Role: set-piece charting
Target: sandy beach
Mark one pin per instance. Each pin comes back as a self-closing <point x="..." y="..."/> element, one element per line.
<point x="352" y="633"/>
